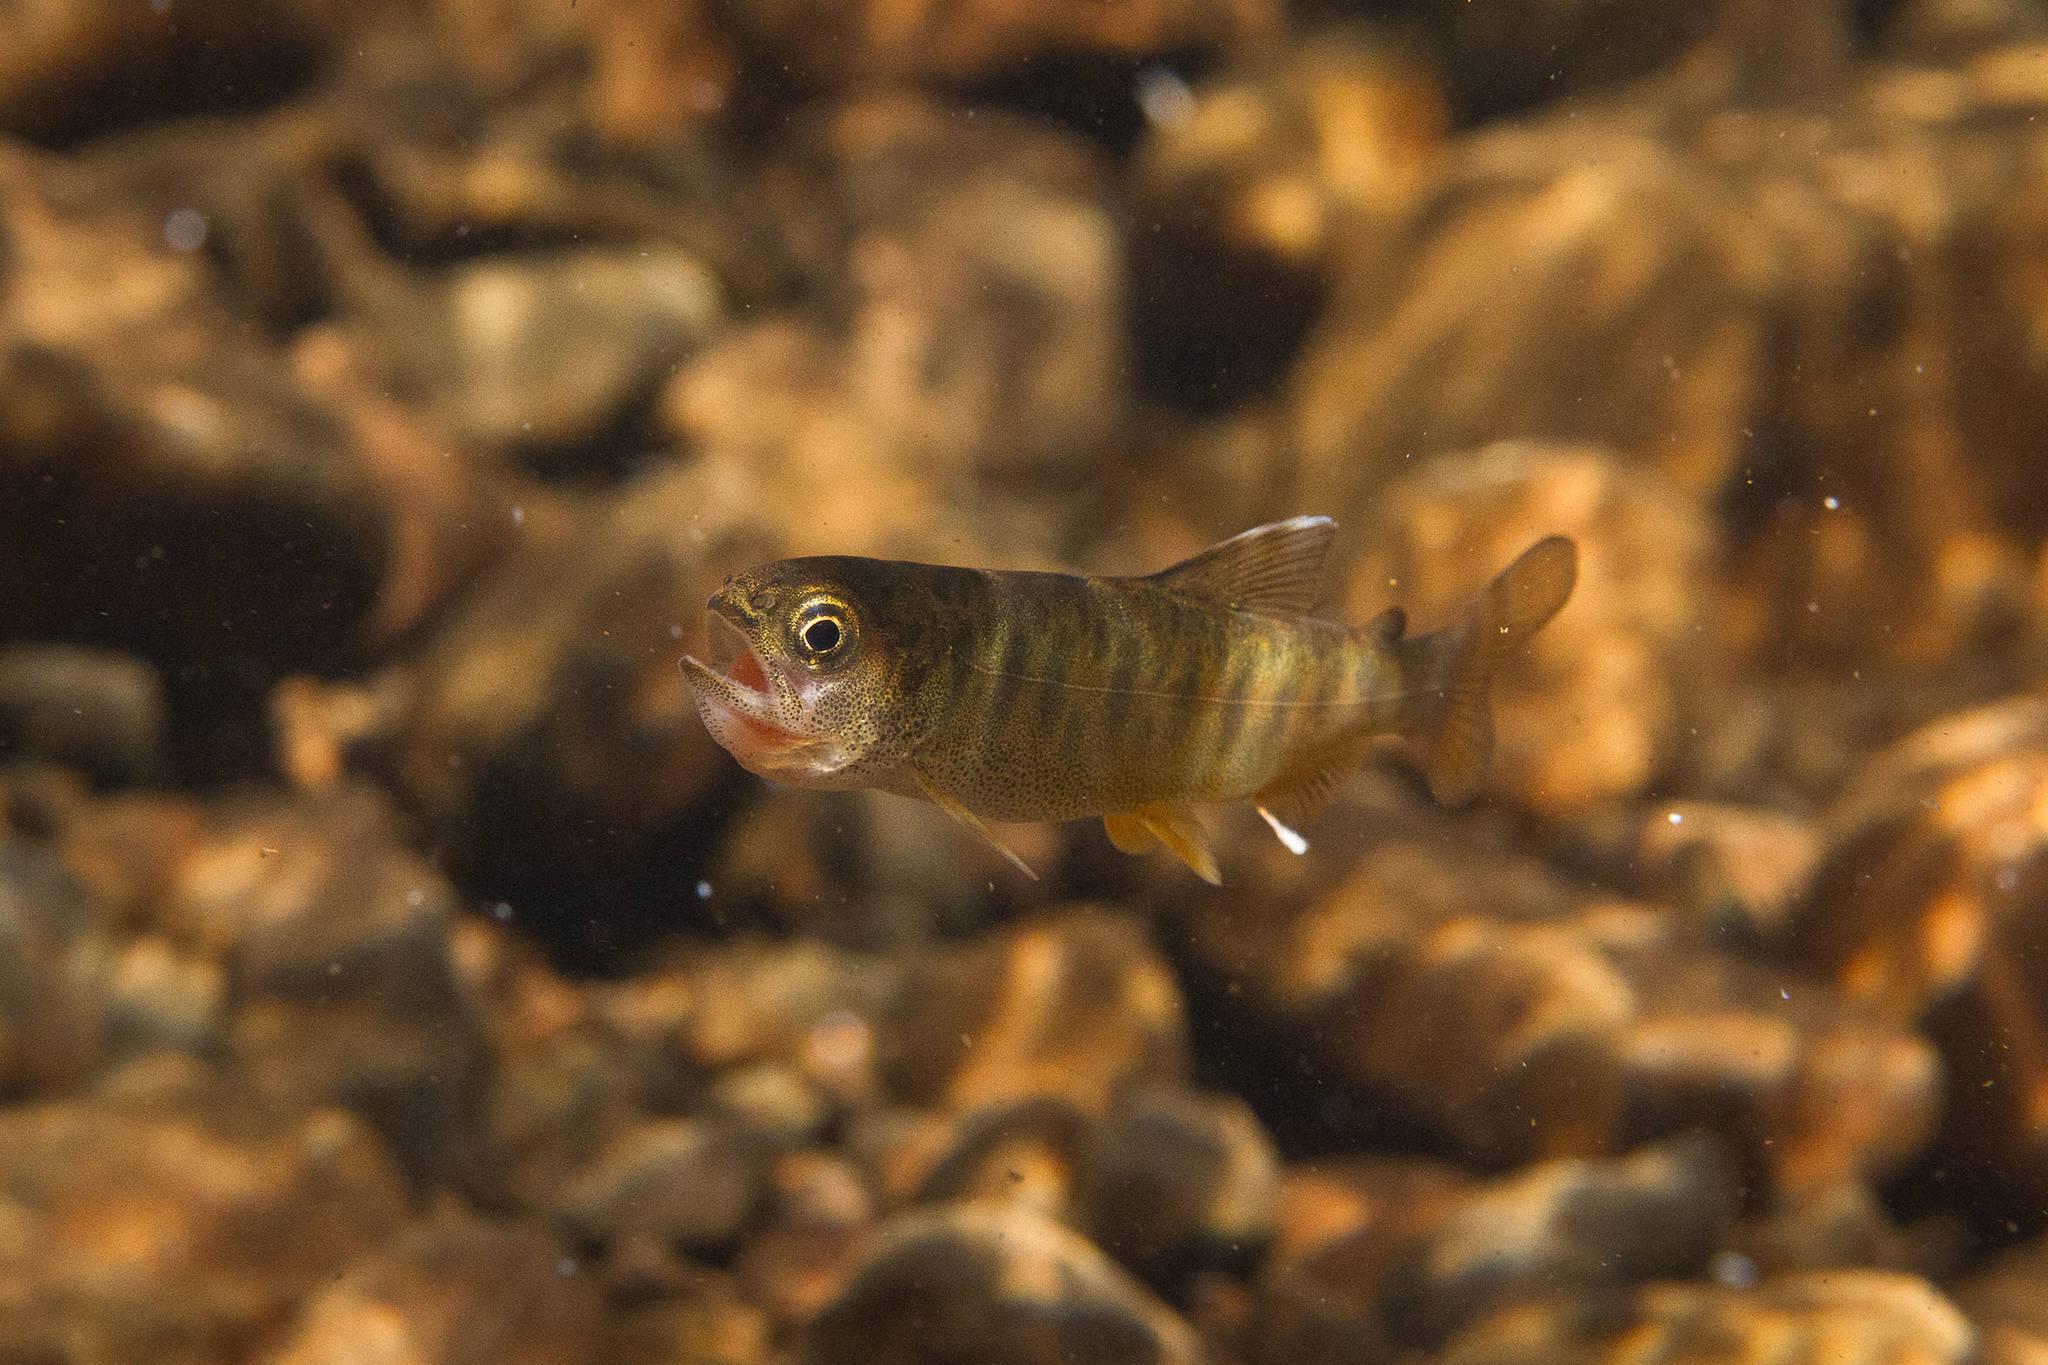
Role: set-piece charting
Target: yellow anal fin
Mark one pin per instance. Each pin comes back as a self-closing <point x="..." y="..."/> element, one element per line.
<point x="1177" y="828"/>
<point x="939" y="797"/>
<point x="1129" y="833"/>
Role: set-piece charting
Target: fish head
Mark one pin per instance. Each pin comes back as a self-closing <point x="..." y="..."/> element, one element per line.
<point x="798" y="682"/>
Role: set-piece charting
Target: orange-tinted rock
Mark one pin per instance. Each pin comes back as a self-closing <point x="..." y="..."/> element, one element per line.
<point x="1602" y="704"/>
<point x="1518" y="1015"/>
<point x="336" y="938"/>
<point x="1773" y="301"/>
<point x="1739" y="869"/>
<point x="1852" y="1317"/>
<point x="1419" y="1254"/>
<point x="53" y="972"/>
<point x="1928" y="906"/>
<point x="1033" y="1152"/>
<point x="975" y="352"/>
<point x="1178" y="1180"/>
<point x="685" y="1182"/>
<point x="1243" y="187"/>
<point x="993" y="1283"/>
<point x="1075" y="1004"/>
<point x="453" y="1290"/>
<point x="168" y="1219"/>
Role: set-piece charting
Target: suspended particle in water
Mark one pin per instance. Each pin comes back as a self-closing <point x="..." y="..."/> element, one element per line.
<point x="1164" y="96"/>
<point x="1733" y="1269"/>
<point x="185" y="230"/>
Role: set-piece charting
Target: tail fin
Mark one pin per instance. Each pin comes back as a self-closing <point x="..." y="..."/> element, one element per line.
<point x="1449" y="672"/>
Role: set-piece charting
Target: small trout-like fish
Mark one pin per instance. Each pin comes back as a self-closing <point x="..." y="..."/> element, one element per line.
<point x="1044" y="696"/>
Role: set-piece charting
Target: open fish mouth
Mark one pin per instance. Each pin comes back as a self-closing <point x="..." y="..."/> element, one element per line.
<point x="736" y="694"/>
<point x="731" y="658"/>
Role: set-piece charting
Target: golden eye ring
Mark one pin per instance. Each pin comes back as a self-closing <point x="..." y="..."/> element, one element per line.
<point x="823" y="630"/>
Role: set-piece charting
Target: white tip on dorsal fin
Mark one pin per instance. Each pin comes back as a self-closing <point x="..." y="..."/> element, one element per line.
<point x="1276" y="568"/>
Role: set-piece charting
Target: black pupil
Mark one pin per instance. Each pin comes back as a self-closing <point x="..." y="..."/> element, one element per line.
<point x="822" y="635"/>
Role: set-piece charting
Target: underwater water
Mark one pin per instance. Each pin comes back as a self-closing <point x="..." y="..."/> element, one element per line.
<point x="395" y="968"/>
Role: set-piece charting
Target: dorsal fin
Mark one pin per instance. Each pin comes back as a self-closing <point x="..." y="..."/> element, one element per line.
<point x="1277" y="568"/>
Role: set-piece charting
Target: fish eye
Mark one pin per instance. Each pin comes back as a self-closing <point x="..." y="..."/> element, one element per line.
<point x="821" y="635"/>
<point x="823" y="630"/>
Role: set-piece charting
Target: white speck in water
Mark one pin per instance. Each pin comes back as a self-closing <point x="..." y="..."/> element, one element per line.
<point x="2007" y="878"/>
<point x="565" y="1267"/>
<point x="502" y="912"/>
<point x="1832" y="503"/>
<point x="1813" y="608"/>
<point x="159" y="6"/>
<point x="1676" y="817"/>
<point x="415" y="898"/>
<point x="1733" y="1269"/>
<point x="1784" y="994"/>
<point x="675" y="632"/>
<point x="185" y="230"/>
<point x="703" y="891"/>
<point x="1164" y="96"/>
<point x="334" y="969"/>
<point x="697" y="535"/>
<point x="518" y="515"/>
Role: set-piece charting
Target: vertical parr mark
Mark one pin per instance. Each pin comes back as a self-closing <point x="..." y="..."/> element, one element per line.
<point x="1210" y="634"/>
<point x="1237" y="706"/>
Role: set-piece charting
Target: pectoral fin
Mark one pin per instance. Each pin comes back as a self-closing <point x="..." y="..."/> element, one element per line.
<point x="939" y="797"/>
<point x="1129" y="833"/>
<point x="1177" y="828"/>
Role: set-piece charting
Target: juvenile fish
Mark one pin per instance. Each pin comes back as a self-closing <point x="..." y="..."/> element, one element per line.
<point x="1044" y="696"/>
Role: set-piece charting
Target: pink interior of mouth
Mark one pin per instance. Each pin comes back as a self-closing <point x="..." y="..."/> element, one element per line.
<point x="746" y="671"/>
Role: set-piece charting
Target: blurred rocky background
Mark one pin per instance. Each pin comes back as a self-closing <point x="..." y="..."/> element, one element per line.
<point x="392" y="970"/>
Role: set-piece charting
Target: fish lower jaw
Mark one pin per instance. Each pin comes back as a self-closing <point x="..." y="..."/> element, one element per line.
<point x="769" y="749"/>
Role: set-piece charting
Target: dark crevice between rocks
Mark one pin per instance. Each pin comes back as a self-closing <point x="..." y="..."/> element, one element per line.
<point x="459" y="242"/>
<point x="223" y="594"/>
<point x="628" y="446"/>
<point x="1309" y="1108"/>
<point x="186" y="74"/>
<point x="1778" y="477"/>
<point x="1256" y="313"/>
<point x="1096" y="95"/>
<point x="599" y="910"/>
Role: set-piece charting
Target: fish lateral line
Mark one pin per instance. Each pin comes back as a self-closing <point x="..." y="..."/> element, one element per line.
<point x="1104" y="690"/>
